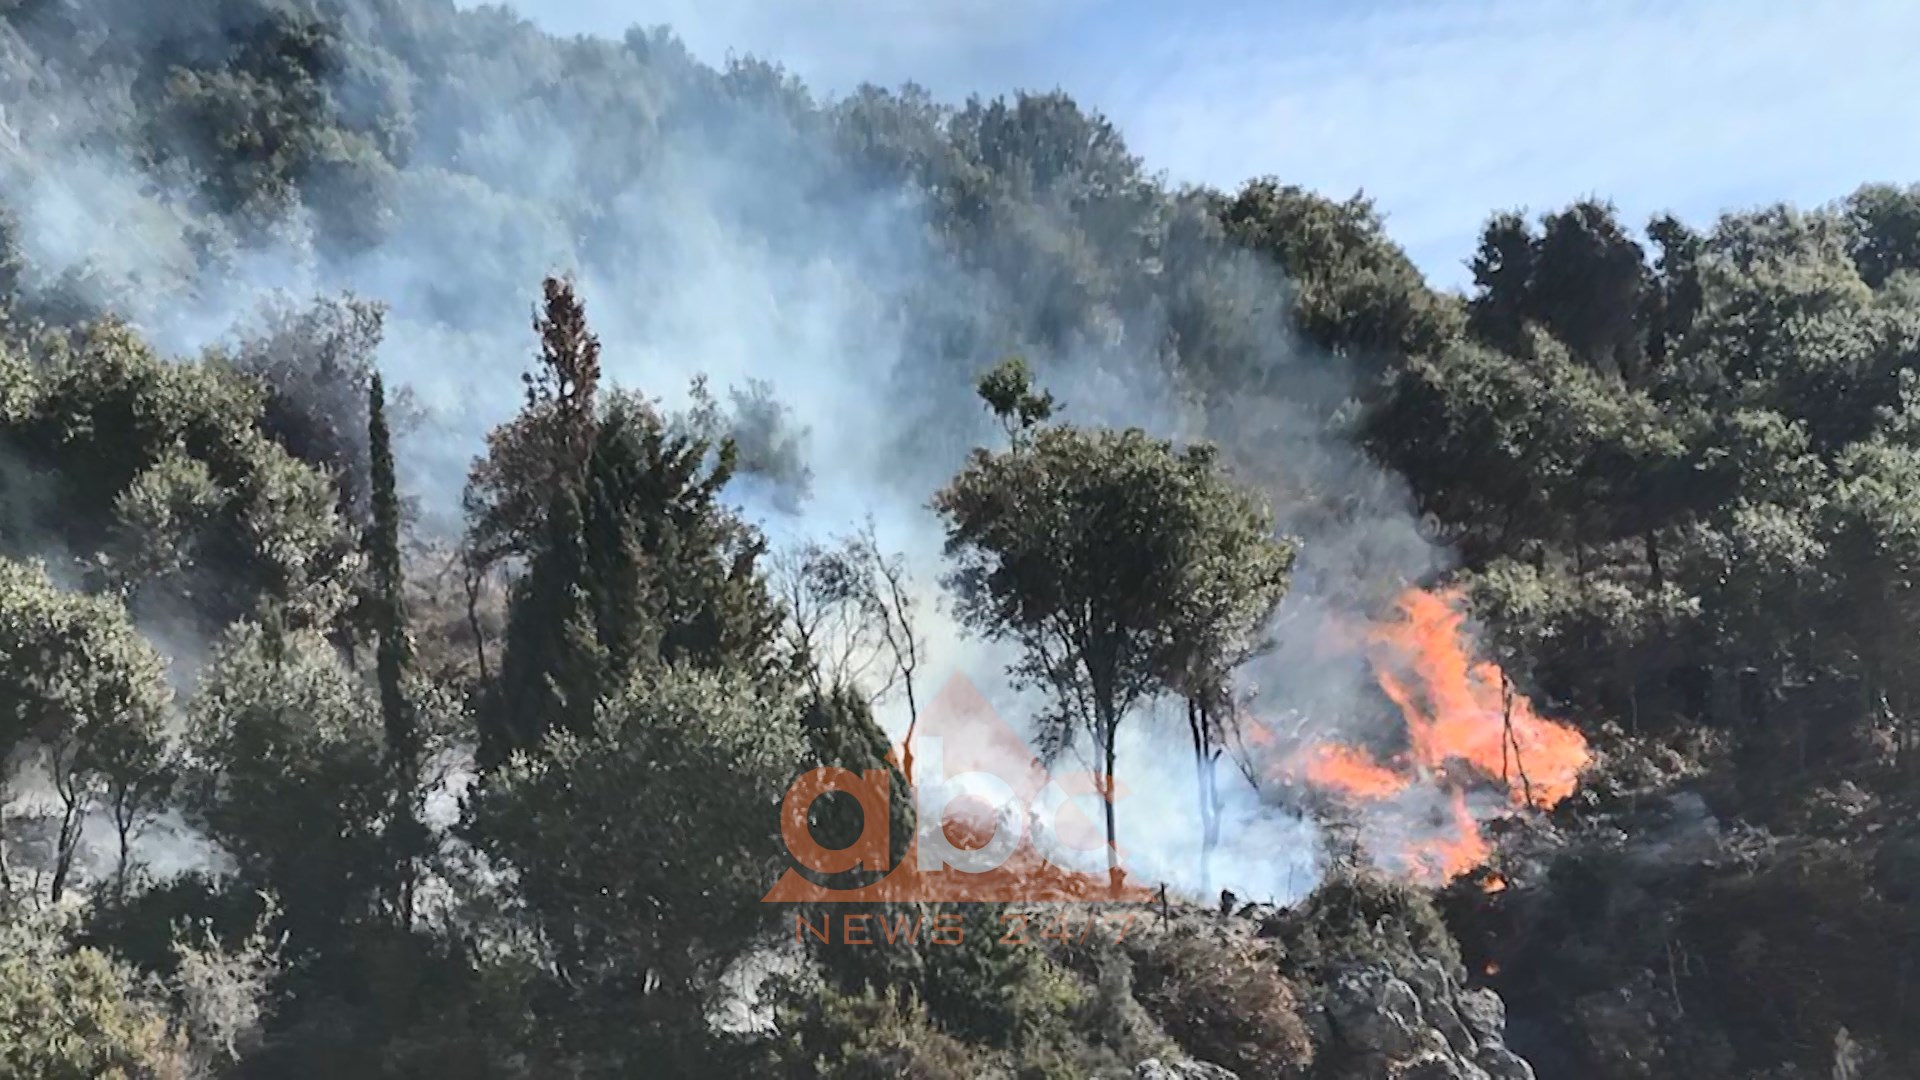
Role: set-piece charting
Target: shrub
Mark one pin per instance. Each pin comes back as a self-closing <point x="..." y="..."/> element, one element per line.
<point x="1361" y="918"/>
<point x="1223" y="1002"/>
<point x="867" y="1036"/>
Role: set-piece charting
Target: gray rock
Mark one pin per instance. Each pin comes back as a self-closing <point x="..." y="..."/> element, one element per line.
<point x="1430" y="978"/>
<point x="1415" y="1022"/>
<point x="1484" y="1013"/>
<point x="1446" y="1020"/>
<point x="1437" y="1066"/>
<point x="1375" y="1013"/>
<point x="1319" y="1026"/>
<point x="1155" y="1069"/>
<point x="1501" y="1063"/>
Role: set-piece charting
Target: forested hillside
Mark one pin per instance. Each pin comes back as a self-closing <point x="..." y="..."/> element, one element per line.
<point x="456" y="479"/>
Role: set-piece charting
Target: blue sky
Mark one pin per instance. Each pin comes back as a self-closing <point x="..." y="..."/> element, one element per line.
<point x="1442" y="110"/>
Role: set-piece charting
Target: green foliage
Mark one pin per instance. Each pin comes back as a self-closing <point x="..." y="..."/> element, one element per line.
<point x="829" y="1035"/>
<point x="400" y="714"/>
<point x="1224" y="1005"/>
<point x="161" y="470"/>
<point x="1723" y="969"/>
<point x="640" y="564"/>
<point x="665" y="552"/>
<point x="641" y="849"/>
<point x="841" y="733"/>
<point x="389" y="585"/>
<point x="78" y="1015"/>
<point x="987" y="1004"/>
<point x="291" y="780"/>
<point x="1087" y="546"/>
<point x="1362" y="919"/>
<point x="72" y="661"/>
<point x="1589" y="286"/>
<point x="1008" y="391"/>
<point x="1120" y="565"/>
<point x="314" y="364"/>
<point x="1884" y="222"/>
<point x="1582" y="279"/>
<point x="1357" y="292"/>
<point x="89" y="692"/>
<point x="987" y="989"/>
<point x="261" y="121"/>
<point x="546" y="447"/>
<point x="550" y="677"/>
<point x="1674" y="299"/>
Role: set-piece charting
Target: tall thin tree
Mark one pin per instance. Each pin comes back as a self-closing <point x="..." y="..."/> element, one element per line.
<point x="394" y="655"/>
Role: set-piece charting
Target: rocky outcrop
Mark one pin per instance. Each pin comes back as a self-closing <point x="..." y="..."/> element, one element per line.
<point x="1156" y="1069"/>
<point x="1413" y="1021"/>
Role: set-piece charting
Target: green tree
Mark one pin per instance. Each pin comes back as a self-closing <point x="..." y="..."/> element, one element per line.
<point x="550" y="673"/>
<point x="161" y="477"/>
<point x="315" y="363"/>
<point x="405" y="740"/>
<point x="1674" y="300"/>
<point x="545" y="447"/>
<point x="252" y="104"/>
<point x="1009" y="392"/>
<point x="642" y="847"/>
<point x="1884" y="222"/>
<point x="841" y="733"/>
<point x="640" y="563"/>
<point x="673" y="570"/>
<point x="389" y="587"/>
<point x="1217" y="628"/>
<point x="1588" y="288"/>
<point x="1498" y="311"/>
<point x="1582" y="278"/>
<point x="78" y="1014"/>
<point x="1087" y="549"/>
<point x="91" y="694"/>
<point x="1356" y="291"/>
<point x="292" y="781"/>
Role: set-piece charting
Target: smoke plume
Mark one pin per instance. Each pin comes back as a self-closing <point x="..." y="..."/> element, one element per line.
<point x="717" y="224"/>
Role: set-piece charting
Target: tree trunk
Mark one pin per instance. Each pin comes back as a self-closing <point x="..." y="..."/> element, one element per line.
<point x="1109" y="727"/>
<point x="1196" y="724"/>
<point x="68" y="845"/>
<point x="906" y="744"/>
<point x="123" y="830"/>
<point x="125" y="861"/>
<point x="474" y="581"/>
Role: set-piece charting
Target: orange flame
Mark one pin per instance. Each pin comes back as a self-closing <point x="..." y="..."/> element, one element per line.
<point x="1350" y="773"/>
<point x="1467" y="727"/>
<point x="1460" y="709"/>
<point x="1444" y="858"/>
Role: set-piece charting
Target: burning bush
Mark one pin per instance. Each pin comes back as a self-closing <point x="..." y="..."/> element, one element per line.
<point x="1471" y="746"/>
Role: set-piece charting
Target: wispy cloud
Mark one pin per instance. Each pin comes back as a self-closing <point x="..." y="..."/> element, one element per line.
<point x="1446" y="111"/>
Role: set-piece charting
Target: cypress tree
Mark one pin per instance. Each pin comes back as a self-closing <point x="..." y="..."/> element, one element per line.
<point x="626" y="586"/>
<point x="842" y="733"/>
<point x="395" y="654"/>
<point x="406" y="837"/>
<point x="552" y="673"/>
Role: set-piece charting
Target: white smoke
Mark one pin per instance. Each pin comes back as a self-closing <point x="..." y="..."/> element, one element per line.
<point x="737" y="249"/>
